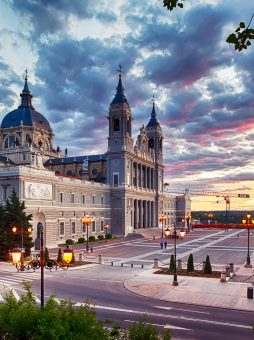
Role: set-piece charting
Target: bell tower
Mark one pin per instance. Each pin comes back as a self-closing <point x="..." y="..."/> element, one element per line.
<point x="120" y="121"/>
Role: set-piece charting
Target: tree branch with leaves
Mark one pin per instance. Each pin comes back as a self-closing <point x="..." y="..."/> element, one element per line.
<point x="242" y="36"/>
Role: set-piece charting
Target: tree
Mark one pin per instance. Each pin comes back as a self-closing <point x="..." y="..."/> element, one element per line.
<point x="242" y="36"/>
<point x="172" y="263"/>
<point x="190" y="264"/>
<point x="60" y="256"/>
<point x="46" y="255"/>
<point x="13" y="214"/>
<point x="208" y="267"/>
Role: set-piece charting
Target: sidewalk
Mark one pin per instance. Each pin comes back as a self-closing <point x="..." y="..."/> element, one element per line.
<point x="193" y="290"/>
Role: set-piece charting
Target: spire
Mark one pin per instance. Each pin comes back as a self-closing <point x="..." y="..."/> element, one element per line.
<point x="26" y="95"/>
<point x="153" y="120"/>
<point x="120" y="96"/>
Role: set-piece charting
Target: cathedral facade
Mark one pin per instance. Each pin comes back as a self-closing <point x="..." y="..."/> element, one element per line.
<point x="124" y="187"/>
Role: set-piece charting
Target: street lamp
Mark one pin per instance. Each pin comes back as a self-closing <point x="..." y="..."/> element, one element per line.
<point x="15" y="230"/>
<point x="41" y="233"/>
<point x="182" y="233"/>
<point x="87" y="220"/>
<point x="162" y="218"/>
<point x="248" y="222"/>
<point x="188" y="219"/>
<point x="106" y="226"/>
<point x="67" y="255"/>
<point x="167" y="232"/>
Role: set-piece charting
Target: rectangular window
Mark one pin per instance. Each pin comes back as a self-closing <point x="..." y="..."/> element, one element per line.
<point x="61" y="228"/>
<point x="102" y="226"/>
<point x="115" y="179"/>
<point x="61" y="197"/>
<point x="73" y="228"/>
<point x="72" y="198"/>
<point x="93" y="227"/>
<point x="93" y="199"/>
<point x="83" y="199"/>
<point x="5" y="191"/>
<point x="102" y="199"/>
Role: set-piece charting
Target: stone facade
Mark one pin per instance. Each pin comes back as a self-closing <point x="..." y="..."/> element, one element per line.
<point x="122" y="188"/>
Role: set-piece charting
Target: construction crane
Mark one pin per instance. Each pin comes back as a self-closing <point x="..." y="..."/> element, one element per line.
<point x="192" y="192"/>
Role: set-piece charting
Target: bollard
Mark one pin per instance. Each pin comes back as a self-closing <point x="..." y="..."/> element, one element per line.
<point x="100" y="259"/>
<point x="91" y="249"/>
<point x="231" y="268"/>
<point x="142" y="266"/>
<point x="121" y="264"/>
<point x="223" y="276"/>
<point x="249" y="292"/>
<point x="227" y="271"/>
<point x="179" y="264"/>
<point x="156" y="263"/>
<point x="80" y="257"/>
<point x="112" y="263"/>
<point x="132" y="265"/>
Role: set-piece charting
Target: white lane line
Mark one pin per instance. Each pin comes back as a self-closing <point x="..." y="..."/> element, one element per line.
<point x="1" y="298"/>
<point x="9" y="282"/>
<point x="182" y="310"/>
<point x="15" y="294"/>
<point x="165" y="326"/>
<point x="171" y="316"/>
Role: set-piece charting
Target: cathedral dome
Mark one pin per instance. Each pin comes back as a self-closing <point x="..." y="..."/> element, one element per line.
<point x="25" y="114"/>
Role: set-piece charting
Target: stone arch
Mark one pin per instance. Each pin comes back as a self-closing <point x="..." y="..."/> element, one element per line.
<point x="38" y="218"/>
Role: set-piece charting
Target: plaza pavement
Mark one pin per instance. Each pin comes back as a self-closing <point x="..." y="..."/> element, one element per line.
<point x="195" y="290"/>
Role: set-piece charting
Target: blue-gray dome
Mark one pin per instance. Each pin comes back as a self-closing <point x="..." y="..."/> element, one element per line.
<point x="25" y="114"/>
<point x="120" y="96"/>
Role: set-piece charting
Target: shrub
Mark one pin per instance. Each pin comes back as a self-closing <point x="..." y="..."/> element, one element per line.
<point x="108" y="236"/>
<point x="46" y="255"/>
<point x="190" y="264"/>
<point x="207" y="267"/>
<point x="69" y="242"/>
<point x="91" y="238"/>
<point x="60" y="256"/>
<point x="81" y="240"/>
<point x="172" y="263"/>
<point x="100" y="237"/>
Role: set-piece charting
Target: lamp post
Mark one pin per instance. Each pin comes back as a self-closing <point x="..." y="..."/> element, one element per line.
<point x="162" y="218"/>
<point x="15" y="230"/>
<point x="182" y="233"/>
<point x="188" y="219"/>
<point x="106" y="226"/>
<point x="87" y="220"/>
<point x="248" y="222"/>
<point x="41" y="231"/>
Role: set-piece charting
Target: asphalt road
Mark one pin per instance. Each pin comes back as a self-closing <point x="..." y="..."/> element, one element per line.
<point x="103" y="286"/>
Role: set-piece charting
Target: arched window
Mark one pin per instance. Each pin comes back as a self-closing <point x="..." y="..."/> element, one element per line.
<point x="69" y="173"/>
<point x="11" y="142"/>
<point x="116" y="124"/>
<point x="151" y="143"/>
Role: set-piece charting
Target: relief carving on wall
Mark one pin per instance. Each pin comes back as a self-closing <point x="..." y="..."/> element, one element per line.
<point x="38" y="191"/>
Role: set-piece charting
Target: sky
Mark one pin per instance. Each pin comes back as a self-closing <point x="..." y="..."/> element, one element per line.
<point x="203" y="88"/>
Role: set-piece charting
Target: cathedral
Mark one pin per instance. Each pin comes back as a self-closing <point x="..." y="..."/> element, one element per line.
<point x="122" y="188"/>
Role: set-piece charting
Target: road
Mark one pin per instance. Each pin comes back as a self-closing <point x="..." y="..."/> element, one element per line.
<point x="104" y="286"/>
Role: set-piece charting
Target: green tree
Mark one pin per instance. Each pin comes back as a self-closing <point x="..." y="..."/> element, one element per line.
<point x="13" y="214"/>
<point x="190" y="263"/>
<point x="242" y="36"/>
<point x="24" y="320"/>
<point x="46" y="255"/>
<point x="59" y="256"/>
<point x="172" y="263"/>
<point x="207" y="267"/>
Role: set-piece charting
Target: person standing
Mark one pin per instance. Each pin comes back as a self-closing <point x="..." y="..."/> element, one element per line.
<point x="165" y="244"/>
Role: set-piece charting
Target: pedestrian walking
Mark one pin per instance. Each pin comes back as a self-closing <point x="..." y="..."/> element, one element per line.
<point x="161" y="244"/>
<point x="165" y="244"/>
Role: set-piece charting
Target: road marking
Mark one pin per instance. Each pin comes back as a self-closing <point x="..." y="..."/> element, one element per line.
<point x="182" y="310"/>
<point x="169" y="316"/>
<point x="1" y="298"/>
<point x="165" y="326"/>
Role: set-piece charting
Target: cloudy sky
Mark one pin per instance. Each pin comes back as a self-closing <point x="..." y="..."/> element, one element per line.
<point x="204" y="90"/>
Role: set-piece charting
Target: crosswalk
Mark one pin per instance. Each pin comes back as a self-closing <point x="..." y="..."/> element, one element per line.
<point x="18" y="278"/>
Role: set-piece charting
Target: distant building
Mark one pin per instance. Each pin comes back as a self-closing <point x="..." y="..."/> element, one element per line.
<point x="122" y="188"/>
